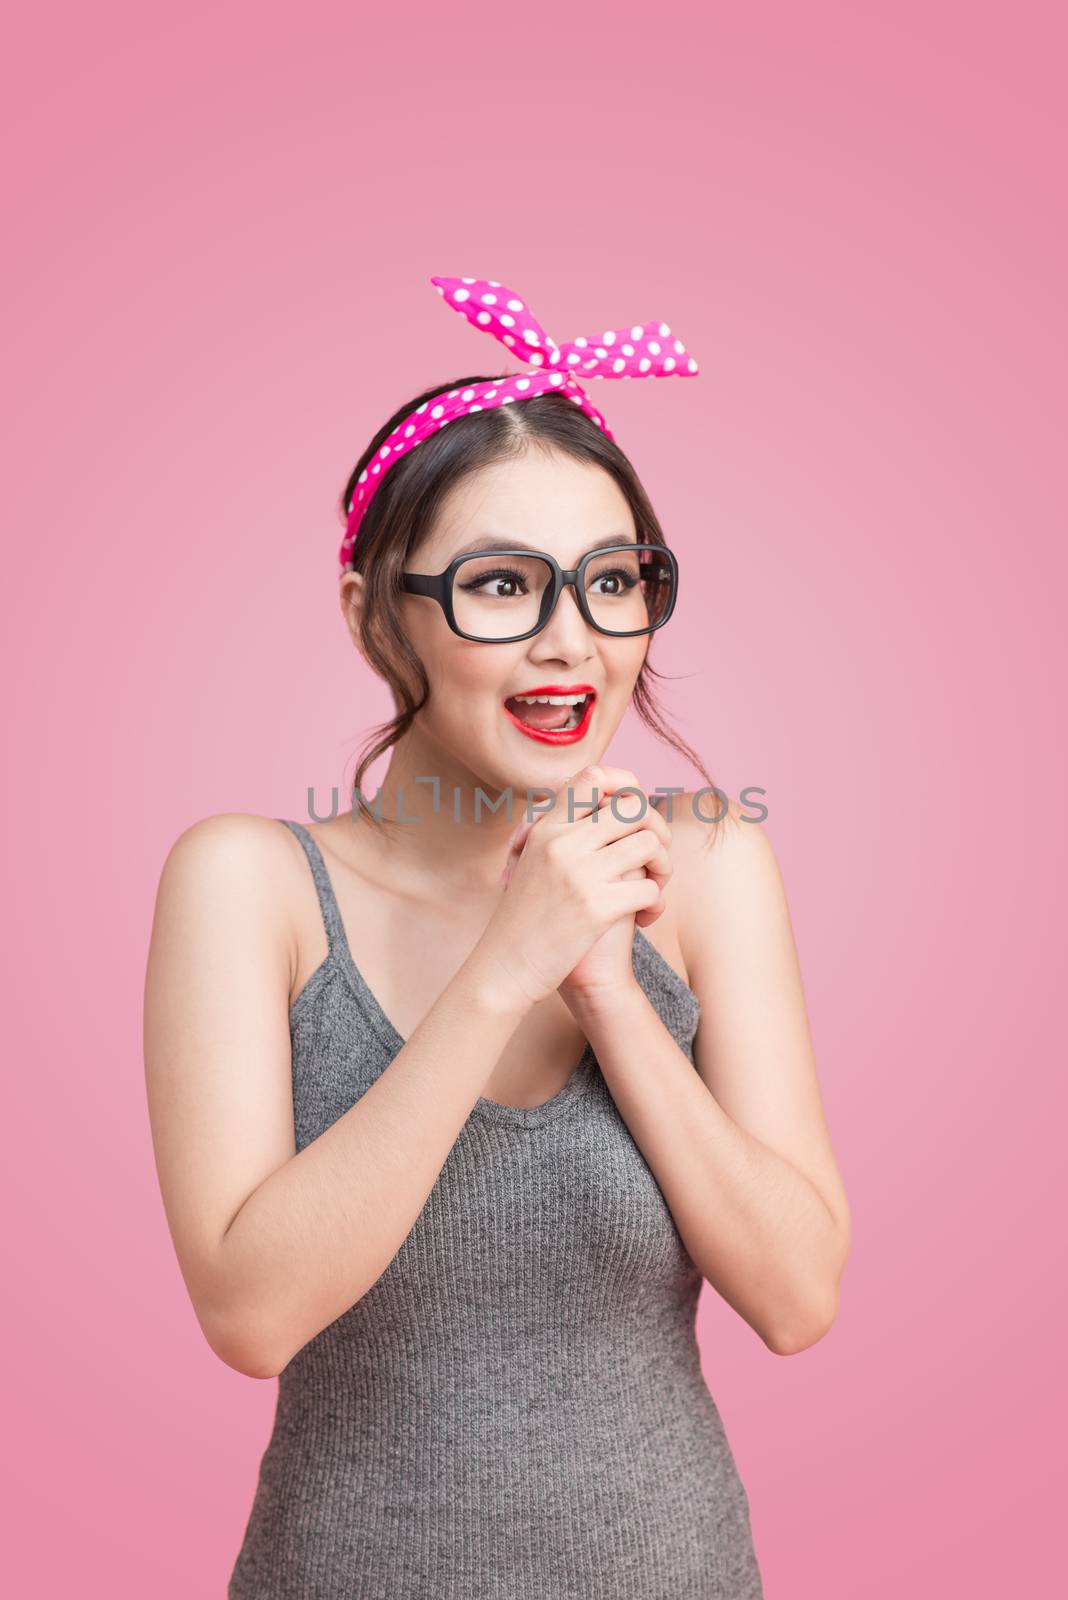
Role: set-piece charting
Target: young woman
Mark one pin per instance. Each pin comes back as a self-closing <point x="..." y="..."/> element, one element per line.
<point x="455" y="1102"/>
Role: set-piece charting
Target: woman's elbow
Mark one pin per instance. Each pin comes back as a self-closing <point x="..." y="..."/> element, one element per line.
<point x="802" y="1336"/>
<point x="237" y="1346"/>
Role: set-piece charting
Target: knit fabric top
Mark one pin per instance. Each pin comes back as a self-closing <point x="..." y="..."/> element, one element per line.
<point x="515" y="1410"/>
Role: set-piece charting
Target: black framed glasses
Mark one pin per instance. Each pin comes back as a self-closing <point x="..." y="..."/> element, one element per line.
<point x="500" y="596"/>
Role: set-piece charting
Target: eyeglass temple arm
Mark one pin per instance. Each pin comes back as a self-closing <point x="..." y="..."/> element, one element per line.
<point x="420" y="583"/>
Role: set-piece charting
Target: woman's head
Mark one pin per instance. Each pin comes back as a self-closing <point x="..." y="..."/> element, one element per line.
<point x="538" y="473"/>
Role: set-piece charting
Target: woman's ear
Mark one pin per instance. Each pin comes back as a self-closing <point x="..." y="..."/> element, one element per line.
<point x="351" y="594"/>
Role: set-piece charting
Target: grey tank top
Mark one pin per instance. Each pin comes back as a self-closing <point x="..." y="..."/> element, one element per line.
<point x="515" y="1410"/>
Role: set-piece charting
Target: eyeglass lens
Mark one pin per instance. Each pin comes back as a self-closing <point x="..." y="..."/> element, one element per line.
<point x="500" y="597"/>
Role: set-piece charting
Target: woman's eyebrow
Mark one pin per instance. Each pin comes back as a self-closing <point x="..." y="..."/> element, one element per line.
<point x="492" y="541"/>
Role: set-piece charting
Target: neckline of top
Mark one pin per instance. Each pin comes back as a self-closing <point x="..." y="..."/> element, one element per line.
<point x="499" y="1111"/>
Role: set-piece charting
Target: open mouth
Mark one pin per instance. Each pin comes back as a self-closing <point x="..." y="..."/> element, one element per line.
<point x="552" y="711"/>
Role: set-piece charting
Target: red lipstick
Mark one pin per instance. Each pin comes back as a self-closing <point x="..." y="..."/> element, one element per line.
<point x="556" y="735"/>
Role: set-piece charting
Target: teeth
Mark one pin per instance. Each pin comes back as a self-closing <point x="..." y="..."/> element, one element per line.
<point x="549" y="699"/>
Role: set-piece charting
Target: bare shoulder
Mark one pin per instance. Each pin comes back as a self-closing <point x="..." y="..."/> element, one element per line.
<point x="233" y="870"/>
<point x="726" y="879"/>
<point x="714" y="836"/>
<point x="233" y="840"/>
<point x="234" y="850"/>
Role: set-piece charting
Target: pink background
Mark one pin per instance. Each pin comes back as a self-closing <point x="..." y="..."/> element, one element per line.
<point x="219" y="227"/>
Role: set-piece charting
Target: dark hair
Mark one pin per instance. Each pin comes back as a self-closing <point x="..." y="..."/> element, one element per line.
<point x="402" y="513"/>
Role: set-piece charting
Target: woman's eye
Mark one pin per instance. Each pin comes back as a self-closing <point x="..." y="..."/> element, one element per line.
<point x="481" y="586"/>
<point x="497" y="588"/>
<point x="626" y="581"/>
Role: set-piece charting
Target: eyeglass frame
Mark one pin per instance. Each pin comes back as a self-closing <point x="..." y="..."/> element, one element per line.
<point x="438" y="586"/>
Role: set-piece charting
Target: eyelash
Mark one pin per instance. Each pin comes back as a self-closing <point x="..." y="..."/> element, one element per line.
<point x="488" y="577"/>
<point x="511" y="572"/>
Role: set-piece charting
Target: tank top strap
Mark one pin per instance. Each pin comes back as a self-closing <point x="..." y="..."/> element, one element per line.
<point x="335" y="928"/>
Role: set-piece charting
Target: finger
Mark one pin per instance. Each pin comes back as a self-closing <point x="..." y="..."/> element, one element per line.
<point x="659" y="869"/>
<point x="614" y="779"/>
<point x="645" y="915"/>
<point x="641" y="895"/>
<point x="516" y="840"/>
<point x="590" y="791"/>
<point x="629" y="812"/>
<point x="578" y="796"/>
<point x="611" y="823"/>
<point x="639" y="852"/>
<point x="522" y="830"/>
<point x="630" y="808"/>
<point x="606" y="781"/>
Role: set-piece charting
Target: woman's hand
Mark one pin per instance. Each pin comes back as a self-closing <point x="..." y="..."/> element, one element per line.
<point x="606" y="969"/>
<point x="578" y="888"/>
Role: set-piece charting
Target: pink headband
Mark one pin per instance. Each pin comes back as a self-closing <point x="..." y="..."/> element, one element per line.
<point x="645" y="351"/>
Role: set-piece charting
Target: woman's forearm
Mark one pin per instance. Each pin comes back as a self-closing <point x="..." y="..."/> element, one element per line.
<point x="317" y="1233"/>
<point x="754" y="1226"/>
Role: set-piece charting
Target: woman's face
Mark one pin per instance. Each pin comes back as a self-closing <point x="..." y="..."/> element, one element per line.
<point x="562" y="507"/>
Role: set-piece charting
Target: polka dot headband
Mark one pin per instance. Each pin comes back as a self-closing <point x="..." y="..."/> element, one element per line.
<point x="647" y="350"/>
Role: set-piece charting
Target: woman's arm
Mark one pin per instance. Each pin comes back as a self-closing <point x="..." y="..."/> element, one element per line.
<point x="740" y="1148"/>
<point x="275" y="1245"/>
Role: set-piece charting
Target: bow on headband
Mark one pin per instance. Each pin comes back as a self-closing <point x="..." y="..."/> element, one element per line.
<point x="647" y="350"/>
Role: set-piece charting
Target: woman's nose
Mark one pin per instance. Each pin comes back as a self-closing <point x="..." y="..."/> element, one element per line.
<point x="566" y="622"/>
